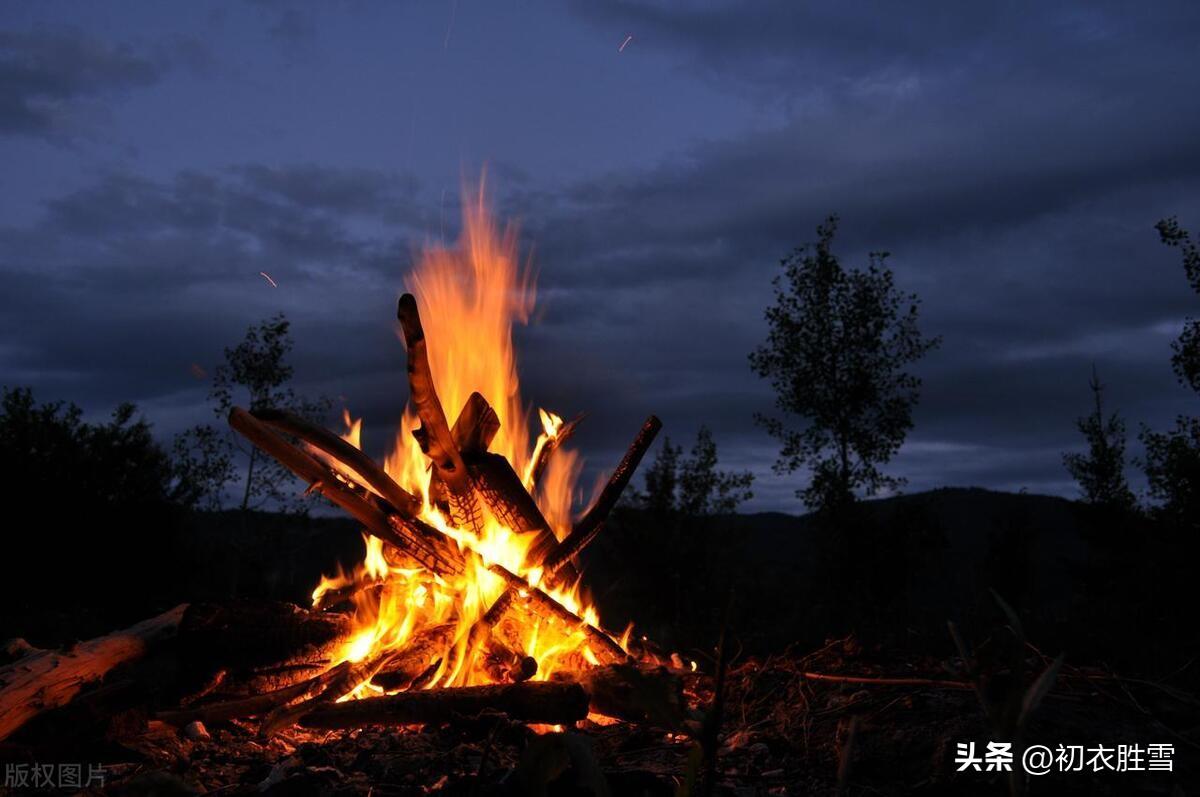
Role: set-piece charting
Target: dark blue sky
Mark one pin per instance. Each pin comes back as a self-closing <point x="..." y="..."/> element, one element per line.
<point x="1012" y="157"/>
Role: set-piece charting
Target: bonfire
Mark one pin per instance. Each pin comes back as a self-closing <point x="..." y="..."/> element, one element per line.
<point x="469" y="596"/>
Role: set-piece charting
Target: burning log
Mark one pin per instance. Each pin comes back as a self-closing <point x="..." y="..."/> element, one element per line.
<point x="543" y="455"/>
<point x="420" y="654"/>
<point x="603" y="646"/>
<point x="505" y="495"/>
<point x="254" y="705"/>
<point x="584" y="532"/>
<point x="434" y="436"/>
<point x="364" y="468"/>
<point x="476" y="425"/>
<point x="50" y="679"/>
<point x="261" y="645"/>
<point x="410" y="536"/>
<point x="589" y="525"/>
<point x="346" y="681"/>
<point x="473" y="431"/>
<point x="634" y="694"/>
<point x="547" y="702"/>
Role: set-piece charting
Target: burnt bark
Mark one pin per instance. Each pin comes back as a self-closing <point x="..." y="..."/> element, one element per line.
<point x="434" y="434"/>
<point x="533" y="701"/>
<point x="257" y="646"/>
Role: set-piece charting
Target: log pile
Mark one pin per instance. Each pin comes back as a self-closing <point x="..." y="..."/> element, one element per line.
<point x="277" y="663"/>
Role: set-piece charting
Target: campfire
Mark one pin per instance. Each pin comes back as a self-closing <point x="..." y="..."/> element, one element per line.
<point x="469" y="598"/>
<point x="469" y="578"/>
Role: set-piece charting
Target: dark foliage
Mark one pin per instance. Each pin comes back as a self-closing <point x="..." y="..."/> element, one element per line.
<point x="96" y="500"/>
<point x="692" y="486"/>
<point x="685" y="500"/>
<point x="256" y="375"/>
<point x="1172" y="458"/>
<point x="1100" y="471"/>
<point x="838" y="343"/>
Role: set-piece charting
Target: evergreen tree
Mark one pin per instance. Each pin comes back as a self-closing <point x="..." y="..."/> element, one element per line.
<point x="1101" y="471"/>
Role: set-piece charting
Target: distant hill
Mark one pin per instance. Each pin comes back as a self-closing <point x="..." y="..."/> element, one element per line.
<point x="950" y="546"/>
<point x="634" y="570"/>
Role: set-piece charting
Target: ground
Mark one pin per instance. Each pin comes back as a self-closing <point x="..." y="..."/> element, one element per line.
<point x="783" y="732"/>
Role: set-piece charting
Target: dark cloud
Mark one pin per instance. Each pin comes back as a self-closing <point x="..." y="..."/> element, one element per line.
<point x="44" y="73"/>
<point x="1014" y="164"/>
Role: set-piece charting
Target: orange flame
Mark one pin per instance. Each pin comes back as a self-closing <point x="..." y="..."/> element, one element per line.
<point x="469" y="297"/>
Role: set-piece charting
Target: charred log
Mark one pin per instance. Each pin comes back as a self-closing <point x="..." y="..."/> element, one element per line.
<point x="633" y="694"/>
<point x="434" y="434"/>
<point x="545" y="453"/>
<point x="533" y="701"/>
<point x="508" y="500"/>
<point x="365" y="470"/>
<point x="421" y="653"/>
<point x="254" y="705"/>
<point x="473" y="431"/>
<point x="594" y="518"/>
<point x="603" y="646"/>
<point x="409" y="536"/>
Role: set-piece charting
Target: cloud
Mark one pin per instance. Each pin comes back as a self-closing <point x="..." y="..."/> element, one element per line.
<point x="46" y="74"/>
<point x="1013" y="163"/>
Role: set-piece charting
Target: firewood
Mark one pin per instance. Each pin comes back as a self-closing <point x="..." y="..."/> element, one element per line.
<point x="476" y="425"/>
<point x="409" y="536"/>
<point x="261" y="645"/>
<point x="473" y="431"/>
<point x="600" y="510"/>
<point x="505" y="495"/>
<point x="49" y="679"/>
<point x="254" y="705"/>
<point x="546" y="452"/>
<point x="632" y="693"/>
<point x="366" y="471"/>
<point x="532" y="701"/>
<point x="346" y="681"/>
<point x="557" y="561"/>
<point x="423" y="651"/>
<point x="434" y="434"/>
<point x="602" y="645"/>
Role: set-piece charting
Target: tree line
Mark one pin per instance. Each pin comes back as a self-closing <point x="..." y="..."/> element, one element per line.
<point x="838" y="353"/>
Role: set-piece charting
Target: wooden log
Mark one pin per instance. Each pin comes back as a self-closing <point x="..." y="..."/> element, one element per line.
<point x="505" y="495"/>
<point x="632" y="693"/>
<point x="619" y="480"/>
<point x="422" y="651"/>
<point x="363" y="468"/>
<point x="50" y="679"/>
<point x="434" y="435"/>
<point x="473" y="431"/>
<point x="476" y="425"/>
<point x="533" y="701"/>
<point x="254" y="705"/>
<point x="556" y="564"/>
<point x="605" y="648"/>
<point x="407" y="535"/>
<point x="545" y="453"/>
<point x="261" y="645"/>
<point x="346" y="681"/>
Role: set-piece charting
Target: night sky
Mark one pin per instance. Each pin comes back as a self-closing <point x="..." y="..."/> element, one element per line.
<point x="157" y="156"/>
